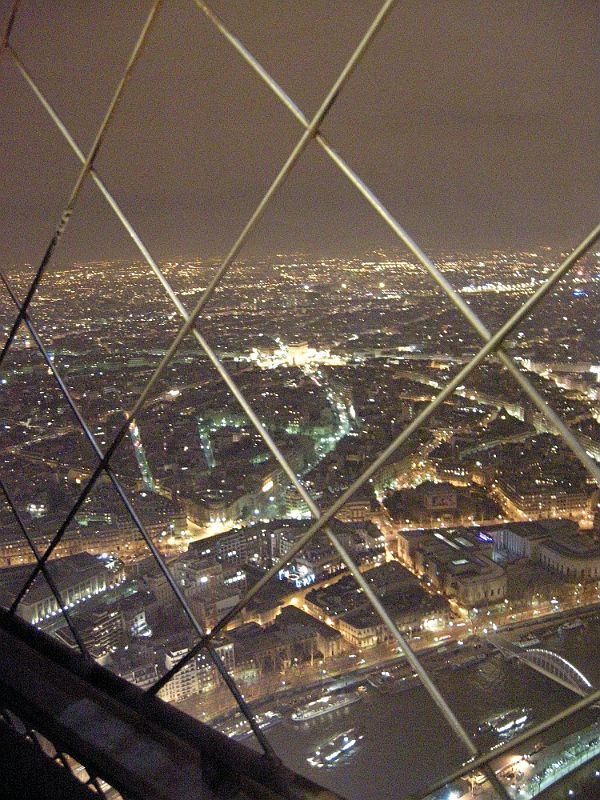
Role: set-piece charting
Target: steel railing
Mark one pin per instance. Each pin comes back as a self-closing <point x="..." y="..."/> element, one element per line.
<point x="113" y="736"/>
<point x="493" y="345"/>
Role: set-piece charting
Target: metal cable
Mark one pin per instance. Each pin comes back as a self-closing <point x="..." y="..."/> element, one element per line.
<point x="465" y="310"/>
<point x="45" y="572"/>
<point x="75" y="191"/>
<point x="402" y="437"/>
<point x="493" y="345"/>
<point x="10" y="22"/>
<point x="41" y="560"/>
<point x="103" y="464"/>
<point x="185" y="329"/>
<point x="261" y="430"/>
<point x="515" y="742"/>
<point x="141" y="528"/>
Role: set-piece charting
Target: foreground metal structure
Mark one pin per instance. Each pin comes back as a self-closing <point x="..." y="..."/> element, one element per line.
<point x="218" y="752"/>
<point x="134" y="743"/>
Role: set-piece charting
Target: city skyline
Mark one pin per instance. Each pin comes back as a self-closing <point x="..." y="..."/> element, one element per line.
<point x="333" y="500"/>
<point x="197" y="475"/>
<point x="475" y="124"/>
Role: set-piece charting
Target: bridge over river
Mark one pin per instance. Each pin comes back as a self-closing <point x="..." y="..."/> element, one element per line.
<point x="546" y="662"/>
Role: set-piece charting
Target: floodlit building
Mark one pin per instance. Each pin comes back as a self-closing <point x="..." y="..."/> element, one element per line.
<point x="77" y="579"/>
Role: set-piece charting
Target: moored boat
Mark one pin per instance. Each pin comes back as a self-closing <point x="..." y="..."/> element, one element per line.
<point x="324" y="705"/>
<point x="507" y="723"/>
<point x="528" y="641"/>
<point x="572" y="625"/>
<point x="239" y="727"/>
<point x="337" y="749"/>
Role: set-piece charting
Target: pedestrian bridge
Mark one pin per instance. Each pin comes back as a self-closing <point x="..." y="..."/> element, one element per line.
<point x="547" y="663"/>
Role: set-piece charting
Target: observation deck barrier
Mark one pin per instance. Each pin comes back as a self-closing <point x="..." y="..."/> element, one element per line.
<point x="58" y="708"/>
<point x="127" y="741"/>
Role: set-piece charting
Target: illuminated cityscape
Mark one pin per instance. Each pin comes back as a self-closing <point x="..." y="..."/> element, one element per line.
<point x="327" y="512"/>
<point x="490" y="523"/>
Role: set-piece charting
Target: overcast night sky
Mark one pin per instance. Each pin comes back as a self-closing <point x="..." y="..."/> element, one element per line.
<point x="475" y="121"/>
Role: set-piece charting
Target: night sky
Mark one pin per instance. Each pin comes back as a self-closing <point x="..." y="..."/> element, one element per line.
<point x="475" y="121"/>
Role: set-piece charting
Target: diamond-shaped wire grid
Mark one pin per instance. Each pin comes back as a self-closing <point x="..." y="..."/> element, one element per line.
<point x="67" y="762"/>
<point x="311" y="130"/>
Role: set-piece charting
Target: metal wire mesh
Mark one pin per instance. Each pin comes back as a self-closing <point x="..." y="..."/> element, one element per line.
<point x="493" y="345"/>
<point x="44" y="746"/>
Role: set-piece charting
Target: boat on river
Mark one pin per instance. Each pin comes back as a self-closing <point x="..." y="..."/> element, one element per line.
<point x="324" y="705"/>
<point x="572" y="625"/>
<point x="336" y="750"/>
<point x="239" y="727"/>
<point x="507" y="723"/>
<point x="528" y="641"/>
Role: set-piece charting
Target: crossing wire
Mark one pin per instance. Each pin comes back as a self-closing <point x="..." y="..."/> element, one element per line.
<point x="493" y="346"/>
<point x="103" y="464"/>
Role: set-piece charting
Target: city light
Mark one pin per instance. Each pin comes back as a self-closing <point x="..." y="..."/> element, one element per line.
<point x="302" y="489"/>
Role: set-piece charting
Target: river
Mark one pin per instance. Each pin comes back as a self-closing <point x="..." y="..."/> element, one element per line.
<point x="406" y="743"/>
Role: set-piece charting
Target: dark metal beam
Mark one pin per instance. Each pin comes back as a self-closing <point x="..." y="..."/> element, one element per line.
<point x="137" y="743"/>
<point x="29" y="773"/>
